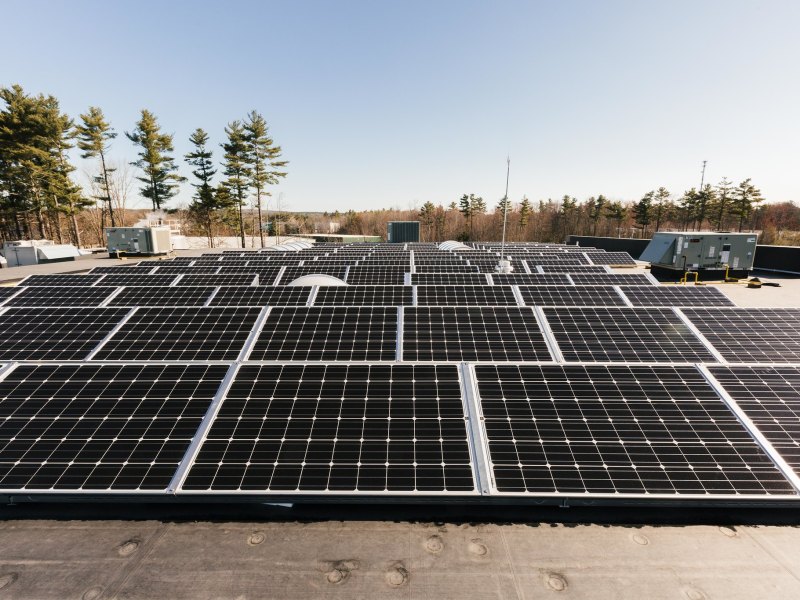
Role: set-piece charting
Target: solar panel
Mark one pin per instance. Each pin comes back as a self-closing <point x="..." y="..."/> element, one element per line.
<point x="465" y="295"/>
<point x="611" y="279"/>
<point x="186" y="270"/>
<point x="126" y="270"/>
<point x="460" y="267"/>
<point x="137" y="280"/>
<point x="571" y="295"/>
<point x="218" y="280"/>
<point x="448" y="279"/>
<point x="770" y="397"/>
<point x="260" y="296"/>
<point x="181" y="334"/>
<point x="292" y="273"/>
<point x="162" y="296"/>
<point x="567" y="268"/>
<point x="750" y="334"/>
<point x="323" y="333"/>
<point x="617" y="430"/>
<point x="59" y="280"/>
<point x="611" y="258"/>
<point x="379" y="295"/>
<point x="673" y="295"/>
<point x="61" y="296"/>
<point x="54" y="333"/>
<point x="530" y="279"/>
<point x="376" y="275"/>
<point x="345" y="429"/>
<point x="624" y="334"/>
<point x="82" y="428"/>
<point x="7" y="292"/>
<point x="472" y="334"/>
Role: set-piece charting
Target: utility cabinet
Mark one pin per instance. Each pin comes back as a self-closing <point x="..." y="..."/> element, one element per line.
<point x="138" y="241"/>
<point x="703" y="251"/>
<point x="401" y="232"/>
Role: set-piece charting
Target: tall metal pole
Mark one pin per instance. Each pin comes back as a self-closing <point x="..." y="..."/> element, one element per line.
<point x="703" y="175"/>
<point x="505" y="207"/>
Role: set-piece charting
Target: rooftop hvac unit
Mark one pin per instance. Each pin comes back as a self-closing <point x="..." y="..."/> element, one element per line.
<point x="138" y="241"/>
<point x="709" y="253"/>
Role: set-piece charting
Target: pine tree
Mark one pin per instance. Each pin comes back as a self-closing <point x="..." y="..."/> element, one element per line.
<point x="160" y="171"/>
<point x="263" y="158"/>
<point x="426" y="215"/>
<point x="465" y="208"/>
<point x="721" y="206"/>
<point x="745" y="198"/>
<point x="616" y="212"/>
<point x="94" y="138"/>
<point x="642" y="212"/>
<point x="236" y="169"/>
<point x="705" y="199"/>
<point x="203" y="204"/>
<point x="661" y="206"/>
<point x="597" y="210"/>
<point x="525" y="211"/>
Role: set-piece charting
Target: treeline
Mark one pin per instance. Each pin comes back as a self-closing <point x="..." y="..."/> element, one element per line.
<point x="721" y="208"/>
<point x="40" y="199"/>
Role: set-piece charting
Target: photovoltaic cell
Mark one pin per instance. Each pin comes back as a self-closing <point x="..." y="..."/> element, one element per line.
<point x="465" y="295"/>
<point x="261" y="296"/>
<point x="624" y="335"/>
<point x="61" y="296"/>
<point x="448" y="279"/>
<point x="469" y="333"/>
<point x="219" y="280"/>
<point x="60" y="280"/>
<point x="328" y="333"/>
<point x="611" y="279"/>
<point x="673" y="295"/>
<point x="377" y="275"/>
<point x="7" y="292"/>
<point x="81" y="427"/>
<point x="530" y="279"/>
<point x="162" y="296"/>
<point x="54" y="333"/>
<point x="750" y="334"/>
<point x="571" y="295"/>
<point x="379" y="295"/>
<point x="339" y="429"/>
<point x="137" y="280"/>
<point x="770" y="397"/>
<point x="617" y="430"/>
<point x="562" y="268"/>
<point x="181" y="334"/>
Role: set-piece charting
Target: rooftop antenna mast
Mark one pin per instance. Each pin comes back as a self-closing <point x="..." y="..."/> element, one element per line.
<point x="504" y="266"/>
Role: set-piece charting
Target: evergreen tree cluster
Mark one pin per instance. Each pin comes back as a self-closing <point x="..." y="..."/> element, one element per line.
<point x="39" y="199"/>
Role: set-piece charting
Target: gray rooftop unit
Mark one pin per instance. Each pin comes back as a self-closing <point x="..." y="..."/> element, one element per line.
<point x="682" y="251"/>
<point x="138" y="241"/>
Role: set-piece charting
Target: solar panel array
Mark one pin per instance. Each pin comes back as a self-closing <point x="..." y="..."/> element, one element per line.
<point x="425" y="373"/>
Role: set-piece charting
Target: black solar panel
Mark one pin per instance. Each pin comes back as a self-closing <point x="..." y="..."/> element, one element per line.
<point x="673" y="295"/>
<point x="571" y="295"/>
<point x="461" y="267"/>
<point x="217" y="280"/>
<point x="60" y="280"/>
<point x="338" y="428"/>
<point x="126" y="270"/>
<point x="54" y="333"/>
<point x="750" y="334"/>
<point x="323" y="333"/>
<point x="472" y="334"/>
<point x="562" y="268"/>
<point x="137" y="280"/>
<point x="81" y="427"/>
<point x="611" y="279"/>
<point x="617" y="430"/>
<point x="624" y="334"/>
<point x="448" y="279"/>
<point x="181" y="334"/>
<point x="377" y="275"/>
<point x="379" y="295"/>
<point x="770" y="397"/>
<point x="61" y="296"/>
<point x="530" y="279"/>
<point x="186" y="270"/>
<point x="7" y="292"/>
<point x="465" y="295"/>
<point x="162" y="296"/>
<point x="261" y="296"/>
<point x="611" y="258"/>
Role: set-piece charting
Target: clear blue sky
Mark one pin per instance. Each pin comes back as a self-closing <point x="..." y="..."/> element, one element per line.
<point x="391" y="104"/>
